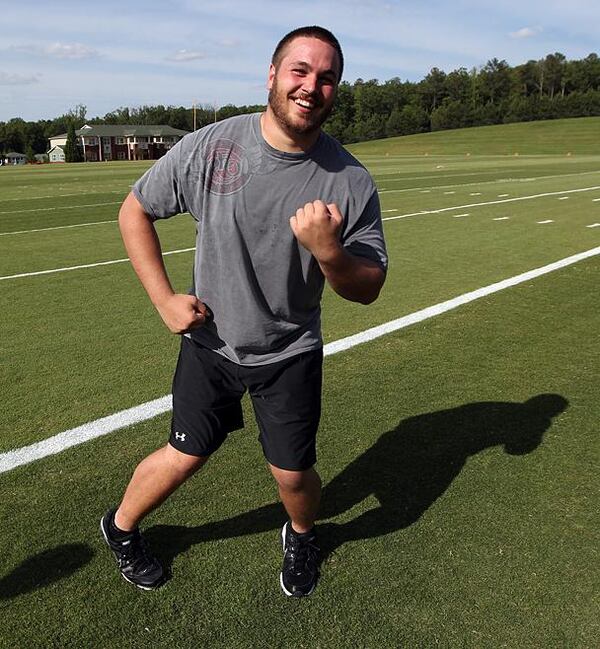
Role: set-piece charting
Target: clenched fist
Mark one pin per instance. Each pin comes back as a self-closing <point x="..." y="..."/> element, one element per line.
<point x="317" y="227"/>
<point x="182" y="313"/>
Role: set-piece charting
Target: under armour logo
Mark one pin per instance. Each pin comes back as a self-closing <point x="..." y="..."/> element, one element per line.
<point x="180" y="437"/>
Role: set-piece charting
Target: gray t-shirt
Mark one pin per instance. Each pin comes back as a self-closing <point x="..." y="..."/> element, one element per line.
<point x="263" y="287"/>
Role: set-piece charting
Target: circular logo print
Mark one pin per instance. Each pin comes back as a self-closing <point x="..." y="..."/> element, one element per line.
<point x="227" y="167"/>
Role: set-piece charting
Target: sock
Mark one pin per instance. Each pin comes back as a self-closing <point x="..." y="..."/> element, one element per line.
<point x="304" y="535"/>
<point x="116" y="532"/>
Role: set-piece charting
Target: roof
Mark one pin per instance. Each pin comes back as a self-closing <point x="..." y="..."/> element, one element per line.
<point x="56" y="146"/>
<point x="14" y="154"/>
<point x="125" y="130"/>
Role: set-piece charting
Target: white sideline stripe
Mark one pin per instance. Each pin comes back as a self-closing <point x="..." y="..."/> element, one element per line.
<point x="501" y="218"/>
<point x="457" y="216"/>
<point x="546" y="221"/>
<point x="594" y="225"/>
<point x="66" y="207"/>
<point x="56" y="227"/>
<point x="595" y="200"/>
<point x="504" y="200"/>
<point x="84" y="433"/>
<point x="100" y="263"/>
<point x="12" y="459"/>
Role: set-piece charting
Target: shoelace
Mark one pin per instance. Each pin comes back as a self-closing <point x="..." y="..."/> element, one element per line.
<point x="135" y="553"/>
<point x="300" y="553"/>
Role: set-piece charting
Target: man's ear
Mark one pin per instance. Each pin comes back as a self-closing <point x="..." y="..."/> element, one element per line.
<point x="271" y="76"/>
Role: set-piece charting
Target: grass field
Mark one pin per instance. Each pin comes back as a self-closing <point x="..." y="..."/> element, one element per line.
<point x="459" y="455"/>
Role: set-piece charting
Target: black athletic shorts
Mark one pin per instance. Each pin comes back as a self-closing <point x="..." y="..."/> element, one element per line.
<point x="286" y="396"/>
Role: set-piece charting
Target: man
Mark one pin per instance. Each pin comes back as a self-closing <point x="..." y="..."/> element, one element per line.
<point x="280" y="207"/>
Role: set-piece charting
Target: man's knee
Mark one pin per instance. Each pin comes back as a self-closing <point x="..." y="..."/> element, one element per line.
<point x="182" y="462"/>
<point x="295" y="481"/>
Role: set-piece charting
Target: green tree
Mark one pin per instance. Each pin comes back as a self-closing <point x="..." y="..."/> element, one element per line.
<point x="72" y="150"/>
<point x="495" y="80"/>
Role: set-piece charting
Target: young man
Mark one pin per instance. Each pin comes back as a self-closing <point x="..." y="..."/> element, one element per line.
<point x="280" y="208"/>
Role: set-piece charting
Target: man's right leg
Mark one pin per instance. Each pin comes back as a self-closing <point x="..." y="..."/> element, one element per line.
<point x="206" y="407"/>
<point x="153" y="481"/>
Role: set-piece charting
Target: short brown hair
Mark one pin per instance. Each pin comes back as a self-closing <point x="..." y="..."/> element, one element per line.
<point x="312" y="31"/>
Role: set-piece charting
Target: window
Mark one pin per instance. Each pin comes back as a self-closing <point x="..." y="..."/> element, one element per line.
<point x="120" y="140"/>
<point x="121" y="155"/>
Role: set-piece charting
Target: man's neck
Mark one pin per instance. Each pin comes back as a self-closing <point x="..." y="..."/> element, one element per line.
<point x="277" y="137"/>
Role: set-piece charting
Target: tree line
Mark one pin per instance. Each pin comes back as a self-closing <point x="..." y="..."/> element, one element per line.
<point x="550" y="88"/>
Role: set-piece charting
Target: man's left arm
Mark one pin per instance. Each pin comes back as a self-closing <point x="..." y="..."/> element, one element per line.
<point x="317" y="227"/>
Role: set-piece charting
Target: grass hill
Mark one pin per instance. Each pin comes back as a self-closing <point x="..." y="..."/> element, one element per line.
<point x="557" y="137"/>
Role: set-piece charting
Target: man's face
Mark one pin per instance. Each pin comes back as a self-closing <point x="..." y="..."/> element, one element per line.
<point x="302" y="88"/>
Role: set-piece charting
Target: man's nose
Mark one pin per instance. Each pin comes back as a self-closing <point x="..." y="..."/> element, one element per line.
<point x="309" y="84"/>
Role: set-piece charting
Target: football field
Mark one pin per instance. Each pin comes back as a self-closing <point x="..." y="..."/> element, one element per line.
<point x="459" y="444"/>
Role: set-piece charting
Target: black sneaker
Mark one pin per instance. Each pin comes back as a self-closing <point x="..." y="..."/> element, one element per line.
<point x="135" y="562"/>
<point x="300" y="570"/>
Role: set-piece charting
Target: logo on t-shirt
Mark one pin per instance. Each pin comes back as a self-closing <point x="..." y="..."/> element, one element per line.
<point x="226" y="166"/>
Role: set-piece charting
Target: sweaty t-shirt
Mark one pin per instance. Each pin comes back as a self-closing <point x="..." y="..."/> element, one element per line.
<point x="262" y="286"/>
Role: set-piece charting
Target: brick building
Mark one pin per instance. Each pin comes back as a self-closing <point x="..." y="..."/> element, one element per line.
<point x="100" y="142"/>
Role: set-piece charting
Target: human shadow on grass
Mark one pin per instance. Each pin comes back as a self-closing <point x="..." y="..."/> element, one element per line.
<point x="45" y="568"/>
<point x="406" y="470"/>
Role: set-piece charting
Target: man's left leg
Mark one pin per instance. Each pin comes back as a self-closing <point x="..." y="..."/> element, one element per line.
<point x="287" y="402"/>
<point x="300" y="493"/>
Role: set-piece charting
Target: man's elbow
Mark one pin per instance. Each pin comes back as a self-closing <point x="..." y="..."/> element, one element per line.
<point x="373" y="288"/>
<point x="131" y="212"/>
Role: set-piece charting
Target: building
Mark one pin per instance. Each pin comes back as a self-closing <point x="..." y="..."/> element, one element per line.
<point x="118" y="142"/>
<point x="14" y="158"/>
<point x="56" y="154"/>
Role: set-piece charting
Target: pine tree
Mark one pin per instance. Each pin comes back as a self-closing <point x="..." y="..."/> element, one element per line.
<point x="72" y="150"/>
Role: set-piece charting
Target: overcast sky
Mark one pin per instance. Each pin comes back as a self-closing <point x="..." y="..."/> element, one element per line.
<point x="55" y="55"/>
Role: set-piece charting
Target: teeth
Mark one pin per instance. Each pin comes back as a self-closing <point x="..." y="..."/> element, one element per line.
<point x="303" y="103"/>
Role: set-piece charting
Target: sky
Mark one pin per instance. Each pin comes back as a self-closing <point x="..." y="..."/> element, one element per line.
<point x="106" y="55"/>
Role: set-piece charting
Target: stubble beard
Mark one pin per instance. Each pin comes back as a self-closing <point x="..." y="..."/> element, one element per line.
<point x="313" y="122"/>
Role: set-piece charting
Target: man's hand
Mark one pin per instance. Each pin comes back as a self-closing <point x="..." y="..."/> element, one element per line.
<point x="317" y="227"/>
<point x="182" y="313"/>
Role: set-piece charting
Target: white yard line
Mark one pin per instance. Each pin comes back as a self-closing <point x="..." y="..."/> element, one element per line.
<point x="66" y="207"/>
<point x="100" y="263"/>
<point x="56" y="227"/>
<point x="39" y="198"/>
<point x="544" y="222"/>
<point x="479" y="183"/>
<point x="504" y="200"/>
<point x="105" y="425"/>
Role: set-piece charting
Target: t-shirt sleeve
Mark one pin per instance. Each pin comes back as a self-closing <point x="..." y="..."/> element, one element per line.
<point x="159" y="190"/>
<point x="364" y="238"/>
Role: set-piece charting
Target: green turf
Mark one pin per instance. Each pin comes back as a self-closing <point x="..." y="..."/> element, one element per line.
<point x="453" y="514"/>
<point x="554" y="137"/>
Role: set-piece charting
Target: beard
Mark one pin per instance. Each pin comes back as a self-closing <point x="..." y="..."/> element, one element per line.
<point x="301" y="124"/>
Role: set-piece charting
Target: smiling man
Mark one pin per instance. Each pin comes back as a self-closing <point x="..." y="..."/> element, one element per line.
<point x="280" y="208"/>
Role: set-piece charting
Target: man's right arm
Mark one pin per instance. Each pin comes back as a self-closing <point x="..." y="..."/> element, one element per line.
<point x="179" y="312"/>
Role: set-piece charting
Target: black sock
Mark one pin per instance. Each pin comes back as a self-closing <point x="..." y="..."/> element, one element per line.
<point x="116" y="532"/>
<point x="303" y="535"/>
